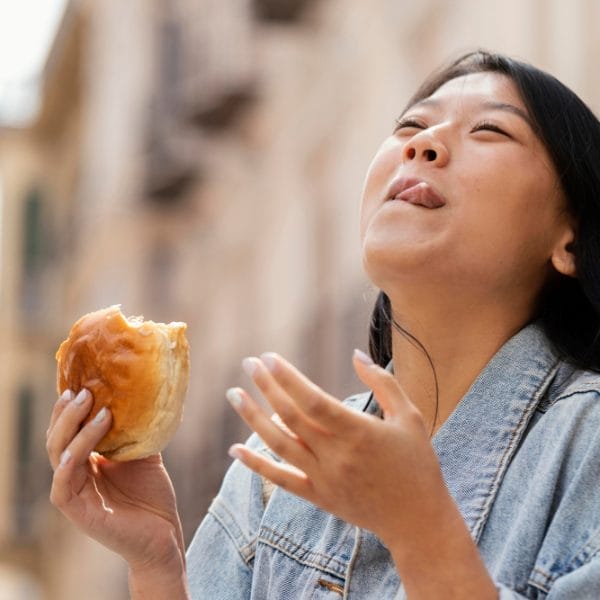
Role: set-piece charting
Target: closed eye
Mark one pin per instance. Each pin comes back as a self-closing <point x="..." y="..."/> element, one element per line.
<point x="488" y="126"/>
<point x="409" y="123"/>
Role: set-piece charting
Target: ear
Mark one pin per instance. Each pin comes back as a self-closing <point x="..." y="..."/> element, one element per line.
<point x="563" y="257"/>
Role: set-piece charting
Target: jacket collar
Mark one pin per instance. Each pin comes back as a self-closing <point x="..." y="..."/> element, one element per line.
<point x="477" y="442"/>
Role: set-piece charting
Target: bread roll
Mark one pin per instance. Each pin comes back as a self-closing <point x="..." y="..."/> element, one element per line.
<point x="138" y="369"/>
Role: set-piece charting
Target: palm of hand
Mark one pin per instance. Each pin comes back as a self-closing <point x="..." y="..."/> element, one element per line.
<point x="128" y="506"/>
<point x="387" y="462"/>
<point x="382" y="475"/>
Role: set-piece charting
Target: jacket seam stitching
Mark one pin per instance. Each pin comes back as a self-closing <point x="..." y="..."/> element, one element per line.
<point x="514" y="436"/>
<point x="307" y="563"/>
<point x="543" y="585"/>
<point x="355" y="550"/>
<point x="247" y="551"/>
<point x="275" y="536"/>
<point x="587" y="552"/>
<point x="327" y="564"/>
<point x="576" y="393"/>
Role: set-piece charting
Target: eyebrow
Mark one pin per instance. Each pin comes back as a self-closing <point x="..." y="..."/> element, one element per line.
<point x="511" y="108"/>
<point x="488" y="105"/>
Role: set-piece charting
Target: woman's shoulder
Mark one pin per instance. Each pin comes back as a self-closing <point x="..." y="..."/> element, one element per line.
<point x="574" y="384"/>
<point x="571" y="407"/>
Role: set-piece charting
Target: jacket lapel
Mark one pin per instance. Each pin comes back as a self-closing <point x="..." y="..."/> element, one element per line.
<point x="477" y="442"/>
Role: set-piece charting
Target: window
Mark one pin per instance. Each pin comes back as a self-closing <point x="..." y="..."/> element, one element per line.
<point x="160" y="272"/>
<point x="217" y="72"/>
<point x="34" y="252"/>
<point x="1" y="242"/>
<point x="32" y="240"/>
<point x="169" y="170"/>
<point x="24" y="493"/>
<point x="280" y="10"/>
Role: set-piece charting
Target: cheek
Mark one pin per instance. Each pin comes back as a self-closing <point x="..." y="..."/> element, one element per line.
<point x="379" y="176"/>
<point x="513" y="223"/>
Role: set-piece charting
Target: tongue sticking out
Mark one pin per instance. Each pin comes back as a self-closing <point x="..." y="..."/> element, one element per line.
<point x="421" y="195"/>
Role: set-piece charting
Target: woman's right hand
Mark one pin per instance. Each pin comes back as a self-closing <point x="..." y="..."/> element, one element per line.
<point x="129" y="507"/>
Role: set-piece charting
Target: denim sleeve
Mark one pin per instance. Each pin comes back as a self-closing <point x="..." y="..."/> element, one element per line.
<point x="221" y="555"/>
<point x="505" y="593"/>
<point x="216" y="567"/>
<point x="220" y="558"/>
<point x="582" y="583"/>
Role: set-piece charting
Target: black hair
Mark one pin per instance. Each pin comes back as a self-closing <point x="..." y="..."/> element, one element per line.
<point x="568" y="308"/>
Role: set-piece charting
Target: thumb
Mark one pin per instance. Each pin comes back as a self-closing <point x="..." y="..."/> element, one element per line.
<point x="389" y="394"/>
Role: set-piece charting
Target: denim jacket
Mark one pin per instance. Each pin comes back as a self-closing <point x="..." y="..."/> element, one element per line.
<point x="520" y="454"/>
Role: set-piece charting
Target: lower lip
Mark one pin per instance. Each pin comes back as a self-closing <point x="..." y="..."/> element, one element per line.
<point x="420" y="195"/>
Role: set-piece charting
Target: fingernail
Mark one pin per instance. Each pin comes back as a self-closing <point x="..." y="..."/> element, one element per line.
<point x="81" y="397"/>
<point x="235" y="452"/>
<point x="363" y="358"/>
<point x="250" y="365"/>
<point x="65" y="457"/>
<point x="234" y="397"/>
<point x="100" y="416"/>
<point x="66" y="396"/>
<point x="269" y="360"/>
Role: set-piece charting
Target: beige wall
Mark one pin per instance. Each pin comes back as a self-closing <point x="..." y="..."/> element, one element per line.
<point x="259" y="250"/>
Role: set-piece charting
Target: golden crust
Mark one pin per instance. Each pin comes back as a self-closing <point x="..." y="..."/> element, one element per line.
<point x="139" y="370"/>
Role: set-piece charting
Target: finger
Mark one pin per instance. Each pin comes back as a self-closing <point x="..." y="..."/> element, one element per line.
<point x="67" y="424"/>
<point x="59" y="406"/>
<point x="285" y="407"/>
<point x="72" y="470"/>
<point x="385" y="387"/>
<point x="289" y="447"/>
<point x="284" y="476"/>
<point x="320" y="407"/>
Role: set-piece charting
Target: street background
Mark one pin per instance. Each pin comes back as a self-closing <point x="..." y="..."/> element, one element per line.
<point x="202" y="161"/>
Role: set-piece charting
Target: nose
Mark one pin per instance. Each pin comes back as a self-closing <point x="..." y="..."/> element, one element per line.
<point x="425" y="146"/>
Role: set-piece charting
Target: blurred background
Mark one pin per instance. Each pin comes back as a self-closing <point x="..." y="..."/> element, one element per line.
<point x="202" y="161"/>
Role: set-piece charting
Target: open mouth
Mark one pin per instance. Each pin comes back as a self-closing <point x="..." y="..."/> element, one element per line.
<point x="415" y="191"/>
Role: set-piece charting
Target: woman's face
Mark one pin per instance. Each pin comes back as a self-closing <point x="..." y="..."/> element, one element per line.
<point x="463" y="192"/>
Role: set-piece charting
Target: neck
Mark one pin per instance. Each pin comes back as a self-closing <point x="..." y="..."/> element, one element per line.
<point x="459" y="338"/>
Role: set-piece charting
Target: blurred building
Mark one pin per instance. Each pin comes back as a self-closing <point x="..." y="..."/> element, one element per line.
<point x="202" y="161"/>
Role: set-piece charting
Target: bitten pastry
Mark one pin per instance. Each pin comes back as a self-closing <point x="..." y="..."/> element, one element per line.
<point x="138" y="369"/>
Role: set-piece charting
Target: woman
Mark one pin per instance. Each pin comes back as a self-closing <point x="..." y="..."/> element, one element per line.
<point x="471" y="470"/>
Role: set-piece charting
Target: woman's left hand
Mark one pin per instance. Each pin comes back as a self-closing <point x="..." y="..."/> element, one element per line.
<point x="380" y="474"/>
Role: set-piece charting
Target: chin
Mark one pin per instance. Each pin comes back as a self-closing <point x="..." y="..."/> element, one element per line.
<point x="387" y="266"/>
